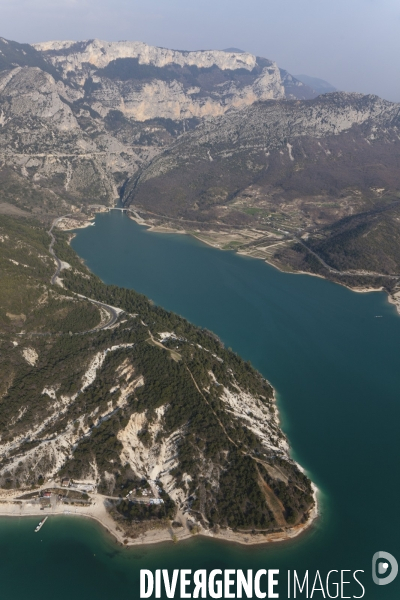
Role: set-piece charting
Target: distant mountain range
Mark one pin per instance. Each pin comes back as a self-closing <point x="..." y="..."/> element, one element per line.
<point x="319" y="85"/>
<point x="104" y="109"/>
<point x="204" y="139"/>
<point x="234" y="50"/>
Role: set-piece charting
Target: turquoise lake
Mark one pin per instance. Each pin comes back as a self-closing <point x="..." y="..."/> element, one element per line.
<point x="336" y="369"/>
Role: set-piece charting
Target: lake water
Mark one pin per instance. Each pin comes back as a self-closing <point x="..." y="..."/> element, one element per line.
<point x="336" y="369"/>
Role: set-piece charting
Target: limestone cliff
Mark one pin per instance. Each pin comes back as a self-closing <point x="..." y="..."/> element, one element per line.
<point x="145" y="82"/>
<point x="78" y="119"/>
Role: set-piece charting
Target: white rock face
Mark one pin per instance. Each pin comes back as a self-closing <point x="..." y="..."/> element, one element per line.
<point x="261" y="421"/>
<point x="41" y="139"/>
<point x="99" y="54"/>
<point x="30" y="92"/>
<point x="157" y="98"/>
<point x="156" y="461"/>
<point x="169" y="100"/>
<point x="30" y="355"/>
<point x="96" y="363"/>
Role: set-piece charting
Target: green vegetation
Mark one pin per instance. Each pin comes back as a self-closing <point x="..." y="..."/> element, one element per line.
<point x="369" y="241"/>
<point x="48" y="416"/>
<point x="26" y="300"/>
<point x="145" y="511"/>
<point x="240" y="502"/>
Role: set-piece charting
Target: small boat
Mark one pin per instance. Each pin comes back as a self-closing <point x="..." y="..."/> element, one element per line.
<point x="378" y="316"/>
<point x="39" y="527"/>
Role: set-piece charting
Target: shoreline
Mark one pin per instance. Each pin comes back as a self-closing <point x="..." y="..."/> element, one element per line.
<point x="10" y="506"/>
<point x="99" y="514"/>
<point x="392" y="298"/>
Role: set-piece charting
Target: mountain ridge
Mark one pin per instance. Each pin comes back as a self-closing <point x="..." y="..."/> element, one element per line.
<point x="272" y="156"/>
<point x="89" y="130"/>
<point x="319" y="85"/>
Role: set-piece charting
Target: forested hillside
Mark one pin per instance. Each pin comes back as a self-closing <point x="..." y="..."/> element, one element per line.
<point x="150" y="397"/>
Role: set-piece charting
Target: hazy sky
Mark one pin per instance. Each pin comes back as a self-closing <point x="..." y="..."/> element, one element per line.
<point x="354" y="44"/>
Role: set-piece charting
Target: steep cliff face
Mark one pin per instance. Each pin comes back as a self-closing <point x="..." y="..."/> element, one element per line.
<point x="73" y="56"/>
<point x="30" y="93"/>
<point x="145" y="82"/>
<point x="51" y="143"/>
<point x="152" y="98"/>
<point x="78" y="119"/>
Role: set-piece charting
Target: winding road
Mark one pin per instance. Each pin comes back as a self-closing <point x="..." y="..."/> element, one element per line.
<point x="354" y="272"/>
<point x="111" y="310"/>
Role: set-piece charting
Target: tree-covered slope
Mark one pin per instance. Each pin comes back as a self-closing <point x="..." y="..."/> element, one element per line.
<point x="151" y="398"/>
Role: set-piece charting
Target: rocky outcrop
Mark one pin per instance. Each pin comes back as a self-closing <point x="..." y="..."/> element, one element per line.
<point x="45" y="141"/>
<point x="78" y="119"/>
<point x="171" y="100"/>
<point x="145" y="82"/>
<point x="30" y="93"/>
<point x="81" y="127"/>
<point x="74" y="56"/>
